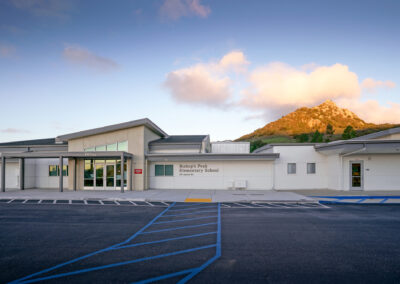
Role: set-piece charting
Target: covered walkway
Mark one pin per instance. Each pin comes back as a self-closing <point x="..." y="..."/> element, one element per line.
<point x="124" y="156"/>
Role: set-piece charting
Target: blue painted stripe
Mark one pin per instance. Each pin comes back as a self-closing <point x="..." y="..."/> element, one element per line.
<point x="191" y="213"/>
<point x="217" y="253"/>
<point x="93" y="253"/>
<point x="201" y="207"/>
<point x="179" y="228"/>
<point x="187" y="219"/>
<point x="384" y="200"/>
<point x="359" y="197"/>
<point x="163" y="277"/>
<point x="148" y="225"/>
<point x="166" y="240"/>
<point x="119" y="264"/>
<point x="362" y="200"/>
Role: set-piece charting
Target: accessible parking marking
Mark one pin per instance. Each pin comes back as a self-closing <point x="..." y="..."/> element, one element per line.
<point x="209" y="228"/>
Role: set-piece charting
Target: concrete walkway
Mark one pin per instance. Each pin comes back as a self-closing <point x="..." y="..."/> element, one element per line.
<point x="159" y="195"/>
<point x="353" y="197"/>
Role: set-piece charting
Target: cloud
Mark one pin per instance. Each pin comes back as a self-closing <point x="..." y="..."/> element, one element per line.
<point x="371" y="85"/>
<point x="234" y="60"/>
<point x="372" y="111"/>
<point x="11" y="29"/>
<point x="14" y="130"/>
<point x="81" y="56"/>
<point x="280" y="86"/>
<point x="206" y="83"/>
<point x="198" y="85"/>
<point x="176" y="9"/>
<point x="6" y="50"/>
<point x="44" y="8"/>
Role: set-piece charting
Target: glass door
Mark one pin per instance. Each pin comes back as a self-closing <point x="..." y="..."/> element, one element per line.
<point x="99" y="176"/>
<point x="356" y="176"/>
<point x="110" y="176"/>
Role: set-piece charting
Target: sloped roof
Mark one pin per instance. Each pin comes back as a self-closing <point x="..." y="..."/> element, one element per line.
<point x="145" y="121"/>
<point x="179" y="139"/>
<point x="36" y="142"/>
<point x="379" y="134"/>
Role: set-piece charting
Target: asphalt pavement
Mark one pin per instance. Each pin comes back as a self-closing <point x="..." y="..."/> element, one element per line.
<point x="72" y="243"/>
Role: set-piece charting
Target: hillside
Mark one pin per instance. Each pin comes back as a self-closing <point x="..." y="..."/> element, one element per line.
<point x="308" y="120"/>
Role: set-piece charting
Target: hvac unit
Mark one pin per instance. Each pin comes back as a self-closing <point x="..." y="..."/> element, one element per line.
<point x="241" y="184"/>
<point x="230" y="184"/>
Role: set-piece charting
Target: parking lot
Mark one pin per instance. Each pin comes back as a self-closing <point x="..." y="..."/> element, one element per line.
<point x="211" y="242"/>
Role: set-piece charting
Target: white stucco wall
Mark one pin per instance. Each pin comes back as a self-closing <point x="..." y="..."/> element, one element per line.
<point x="301" y="155"/>
<point x="258" y="175"/>
<point x="12" y="174"/>
<point x="42" y="179"/>
<point x="381" y="172"/>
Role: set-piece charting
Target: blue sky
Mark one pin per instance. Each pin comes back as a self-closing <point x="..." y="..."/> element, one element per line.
<point x="222" y="68"/>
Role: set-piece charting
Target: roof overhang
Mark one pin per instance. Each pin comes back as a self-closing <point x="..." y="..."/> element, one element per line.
<point x="56" y="154"/>
<point x="134" y="123"/>
<point x="211" y="157"/>
<point x="360" y="147"/>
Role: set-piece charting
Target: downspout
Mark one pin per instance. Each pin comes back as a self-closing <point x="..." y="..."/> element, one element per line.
<point x="341" y="162"/>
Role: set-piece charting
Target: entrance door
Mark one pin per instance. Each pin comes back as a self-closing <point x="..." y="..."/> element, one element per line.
<point x="99" y="176"/>
<point x="356" y="175"/>
<point x="110" y="176"/>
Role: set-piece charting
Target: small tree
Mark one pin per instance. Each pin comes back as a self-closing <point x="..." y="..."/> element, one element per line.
<point x="317" y="137"/>
<point x="256" y="144"/>
<point x="302" y="138"/>
<point x="329" y="130"/>
<point x="349" y="133"/>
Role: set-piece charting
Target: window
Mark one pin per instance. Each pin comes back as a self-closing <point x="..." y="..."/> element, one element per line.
<point x="160" y="170"/>
<point x="311" y="168"/>
<point x="91" y="149"/>
<point x="169" y="170"/>
<point x="65" y="170"/>
<point x="164" y="170"/>
<point x="88" y="174"/>
<point x="112" y="147"/>
<point x="53" y="170"/>
<point x="291" y="168"/>
<point x="100" y="148"/>
<point x="123" y="146"/>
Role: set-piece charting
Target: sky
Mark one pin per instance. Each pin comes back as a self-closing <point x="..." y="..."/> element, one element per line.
<point x="223" y="68"/>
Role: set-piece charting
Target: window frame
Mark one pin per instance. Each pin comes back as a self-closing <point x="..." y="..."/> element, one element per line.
<point x="295" y="168"/>
<point x="315" y="168"/>
<point x="165" y="172"/>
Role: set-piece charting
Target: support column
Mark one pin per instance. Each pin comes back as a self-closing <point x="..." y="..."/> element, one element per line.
<point x="122" y="173"/>
<point x="3" y="173"/>
<point x="74" y="173"/>
<point x="131" y="174"/>
<point x="22" y="173"/>
<point x="60" y="168"/>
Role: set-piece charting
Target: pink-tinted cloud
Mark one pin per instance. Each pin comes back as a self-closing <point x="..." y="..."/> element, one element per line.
<point x="14" y="130"/>
<point x="278" y="88"/>
<point x="198" y="85"/>
<point x="373" y="111"/>
<point x="176" y="9"/>
<point x="281" y="86"/>
<point x="206" y="83"/>
<point x="371" y="85"/>
<point x="7" y="50"/>
<point x="83" y="57"/>
<point x="44" y="8"/>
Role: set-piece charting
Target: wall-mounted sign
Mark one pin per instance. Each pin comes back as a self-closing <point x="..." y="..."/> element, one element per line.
<point x="138" y="171"/>
<point x="196" y="169"/>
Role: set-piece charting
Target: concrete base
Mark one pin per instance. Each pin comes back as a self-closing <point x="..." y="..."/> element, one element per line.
<point x="159" y="195"/>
